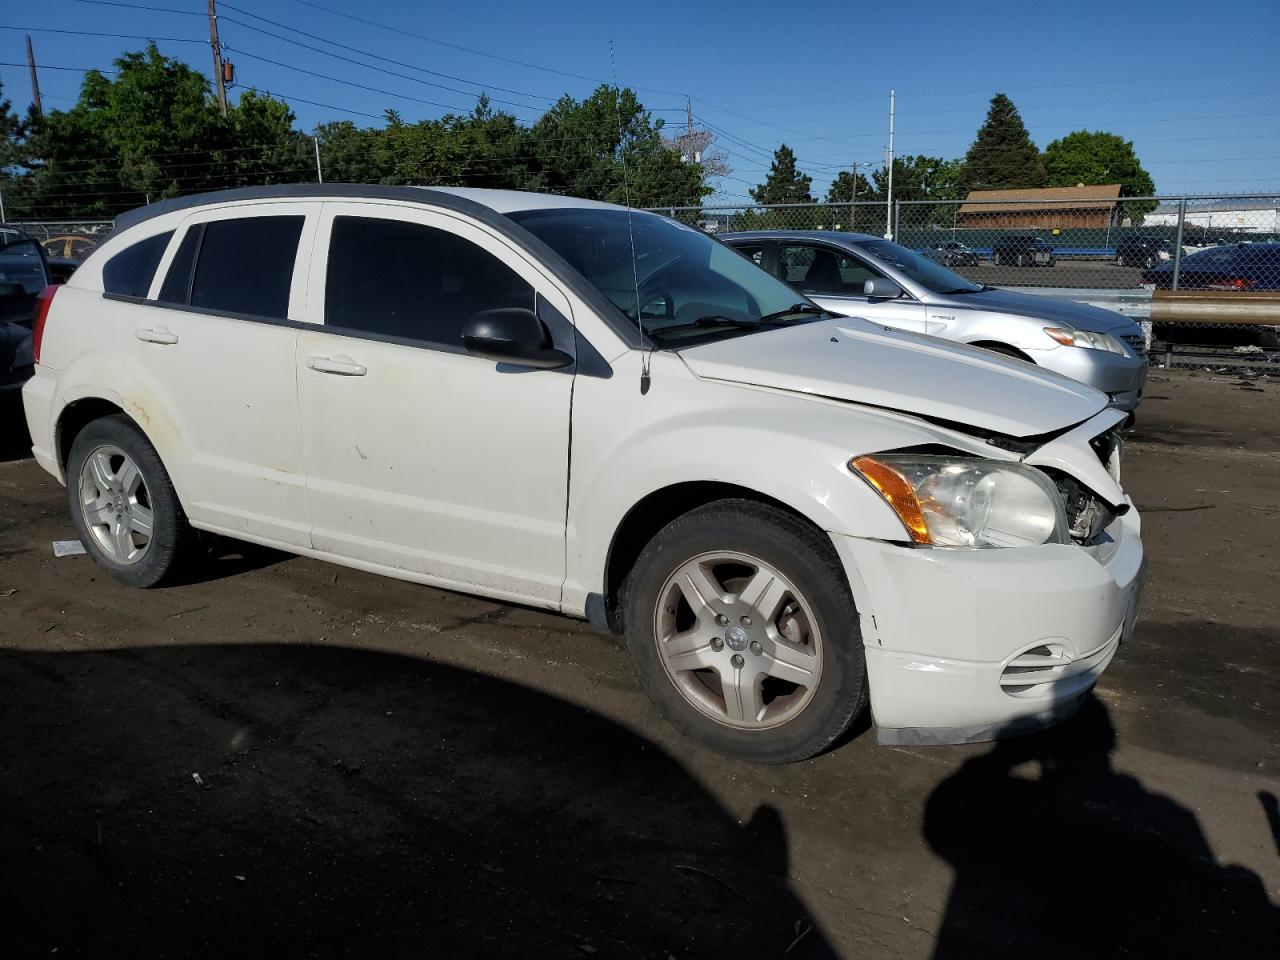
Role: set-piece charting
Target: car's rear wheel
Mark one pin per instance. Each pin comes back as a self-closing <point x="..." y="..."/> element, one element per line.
<point x="123" y="503"/>
<point x="741" y="626"/>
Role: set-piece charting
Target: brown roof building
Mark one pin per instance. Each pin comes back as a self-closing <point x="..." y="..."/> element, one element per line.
<point x="1047" y="208"/>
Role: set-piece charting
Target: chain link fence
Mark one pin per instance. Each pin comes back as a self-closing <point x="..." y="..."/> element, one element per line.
<point x="63" y="239"/>
<point x="1201" y="274"/>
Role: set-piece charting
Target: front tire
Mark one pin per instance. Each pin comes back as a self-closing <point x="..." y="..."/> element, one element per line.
<point x="123" y="503"/>
<point x="741" y="627"/>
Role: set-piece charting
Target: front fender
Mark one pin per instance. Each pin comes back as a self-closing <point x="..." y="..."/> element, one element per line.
<point x="790" y="448"/>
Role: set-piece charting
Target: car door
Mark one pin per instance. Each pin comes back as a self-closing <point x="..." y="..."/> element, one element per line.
<point x="211" y="367"/>
<point x="421" y="456"/>
<point x="833" y="278"/>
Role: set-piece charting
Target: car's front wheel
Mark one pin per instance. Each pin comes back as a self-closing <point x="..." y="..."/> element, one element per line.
<point x="123" y="503"/>
<point x="742" y="628"/>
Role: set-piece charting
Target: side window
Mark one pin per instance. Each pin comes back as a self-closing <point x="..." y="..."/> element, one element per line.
<point x="412" y="281"/>
<point x="820" y="270"/>
<point x="752" y="251"/>
<point x="246" y="265"/>
<point x="130" y="271"/>
<point x="177" y="282"/>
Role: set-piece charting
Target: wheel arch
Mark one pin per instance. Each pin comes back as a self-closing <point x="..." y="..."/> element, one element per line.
<point x="657" y="509"/>
<point x="997" y="346"/>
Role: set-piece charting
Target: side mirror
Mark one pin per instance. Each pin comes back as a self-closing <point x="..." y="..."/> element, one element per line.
<point x="882" y="288"/>
<point x="512" y="335"/>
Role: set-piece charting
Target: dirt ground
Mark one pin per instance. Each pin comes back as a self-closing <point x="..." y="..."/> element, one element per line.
<point x="283" y="757"/>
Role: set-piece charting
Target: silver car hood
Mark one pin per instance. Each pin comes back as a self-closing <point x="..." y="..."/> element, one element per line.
<point x="1052" y="311"/>
<point x="861" y="362"/>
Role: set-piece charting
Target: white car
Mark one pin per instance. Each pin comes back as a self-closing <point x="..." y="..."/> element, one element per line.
<point x="608" y="414"/>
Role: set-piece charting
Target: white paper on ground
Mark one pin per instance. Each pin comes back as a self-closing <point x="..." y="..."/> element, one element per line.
<point x="68" y="548"/>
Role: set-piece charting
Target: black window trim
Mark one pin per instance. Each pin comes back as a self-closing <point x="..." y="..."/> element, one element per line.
<point x="198" y="228"/>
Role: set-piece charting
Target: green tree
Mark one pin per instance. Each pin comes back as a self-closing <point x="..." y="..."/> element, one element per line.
<point x="784" y="184"/>
<point x="841" y="189"/>
<point x="608" y="147"/>
<point x="1095" y="158"/>
<point x="1003" y="155"/>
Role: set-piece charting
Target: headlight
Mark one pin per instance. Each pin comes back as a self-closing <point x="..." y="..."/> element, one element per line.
<point x="959" y="502"/>
<point x="1083" y="338"/>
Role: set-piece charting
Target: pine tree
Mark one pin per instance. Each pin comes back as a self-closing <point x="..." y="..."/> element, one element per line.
<point x="1003" y="154"/>
<point x="784" y="184"/>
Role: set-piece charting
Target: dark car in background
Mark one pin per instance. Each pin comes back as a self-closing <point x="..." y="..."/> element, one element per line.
<point x="1237" y="266"/>
<point x="1022" y="250"/>
<point x="1135" y="250"/>
<point x="951" y="254"/>
<point x="24" y="273"/>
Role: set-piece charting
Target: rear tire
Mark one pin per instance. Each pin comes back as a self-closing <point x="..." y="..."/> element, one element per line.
<point x="123" y="504"/>
<point x="765" y="662"/>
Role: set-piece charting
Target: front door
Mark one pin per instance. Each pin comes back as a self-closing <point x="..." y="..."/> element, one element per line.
<point x="420" y="455"/>
<point x="833" y="279"/>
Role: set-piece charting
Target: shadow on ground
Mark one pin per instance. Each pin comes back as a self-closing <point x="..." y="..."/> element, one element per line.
<point x="15" y="441"/>
<point x="352" y="803"/>
<point x="1057" y="855"/>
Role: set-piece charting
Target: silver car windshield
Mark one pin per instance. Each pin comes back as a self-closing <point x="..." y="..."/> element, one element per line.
<point x="932" y="276"/>
<point x="691" y="288"/>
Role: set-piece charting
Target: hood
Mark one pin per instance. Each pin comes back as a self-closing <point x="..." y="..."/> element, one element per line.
<point x="1053" y="311"/>
<point x="860" y="362"/>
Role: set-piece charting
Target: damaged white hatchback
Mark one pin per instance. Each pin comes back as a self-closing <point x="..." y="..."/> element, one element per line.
<point x="788" y="515"/>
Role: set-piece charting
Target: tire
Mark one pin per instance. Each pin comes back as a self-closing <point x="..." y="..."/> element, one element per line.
<point x="1020" y="261"/>
<point x="813" y="630"/>
<point x="1120" y="260"/>
<point x="102" y="487"/>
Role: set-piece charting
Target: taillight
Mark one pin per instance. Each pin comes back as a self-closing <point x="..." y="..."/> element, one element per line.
<point x="44" y="300"/>
<point x="1233" y="283"/>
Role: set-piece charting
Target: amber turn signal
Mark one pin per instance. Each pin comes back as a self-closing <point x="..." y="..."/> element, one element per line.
<point x="897" y="492"/>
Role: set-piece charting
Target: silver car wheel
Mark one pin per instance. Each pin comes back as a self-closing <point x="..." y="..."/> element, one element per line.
<point x="115" y="505"/>
<point x="738" y="640"/>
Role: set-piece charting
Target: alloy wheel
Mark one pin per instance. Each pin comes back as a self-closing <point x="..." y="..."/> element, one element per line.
<point x="738" y="640"/>
<point x="115" y="505"/>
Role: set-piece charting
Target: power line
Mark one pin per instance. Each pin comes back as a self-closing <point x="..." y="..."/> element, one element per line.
<point x="96" y="33"/>
<point x="375" y="56"/>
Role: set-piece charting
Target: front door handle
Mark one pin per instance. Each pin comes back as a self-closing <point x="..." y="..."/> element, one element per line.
<point x="341" y="365"/>
<point x="157" y="335"/>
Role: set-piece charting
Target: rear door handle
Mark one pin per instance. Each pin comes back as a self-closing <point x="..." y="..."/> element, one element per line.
<point x="157" y="335"/>
<point x="340" y="365"/>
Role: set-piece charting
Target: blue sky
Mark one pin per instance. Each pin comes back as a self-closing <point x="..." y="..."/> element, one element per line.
<point x="1193" y="84"/>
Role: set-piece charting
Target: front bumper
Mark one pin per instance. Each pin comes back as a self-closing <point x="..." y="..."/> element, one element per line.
<point x="1121" y="377"/>
<point x="967" y="645"/>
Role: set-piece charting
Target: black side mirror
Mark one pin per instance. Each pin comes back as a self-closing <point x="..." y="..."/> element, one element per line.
<point x="512" y="335"/>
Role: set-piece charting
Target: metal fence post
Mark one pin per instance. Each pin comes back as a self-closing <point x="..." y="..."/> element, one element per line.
<point x="897" y="218"/>
<point x="1177" y="244"/>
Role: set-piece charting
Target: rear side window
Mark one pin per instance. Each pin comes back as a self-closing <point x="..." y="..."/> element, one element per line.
<point x="130" y="271"/>
<point x="177" y="282"/>
<point x="413" y="282"/>
<point x="246" y="266"/>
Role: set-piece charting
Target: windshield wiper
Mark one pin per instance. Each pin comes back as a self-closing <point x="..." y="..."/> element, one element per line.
<point x="792" y="310"/>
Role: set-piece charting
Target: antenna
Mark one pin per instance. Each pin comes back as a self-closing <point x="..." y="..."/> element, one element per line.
<point x="645" y="360"/>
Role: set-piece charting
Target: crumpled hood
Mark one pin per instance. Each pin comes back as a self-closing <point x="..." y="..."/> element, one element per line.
<point x="1052" y="311"/>
<point x="861" y="362"/>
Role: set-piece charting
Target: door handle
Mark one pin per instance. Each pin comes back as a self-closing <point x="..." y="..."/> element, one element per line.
<point x="157" y="335"/>
<point x="342" y="366"/>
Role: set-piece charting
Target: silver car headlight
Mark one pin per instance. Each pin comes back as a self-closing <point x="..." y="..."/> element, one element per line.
<point x="967" y="502"/>
<point x="1069" y="337"/>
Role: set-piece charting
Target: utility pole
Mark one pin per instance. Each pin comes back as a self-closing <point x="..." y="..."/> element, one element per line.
<point x="319" y="172"/>
<point x="35" y="83"/>
<point x="688" y="112"/>
<point x="216" y="44"/>
<point x="888" y="203"/>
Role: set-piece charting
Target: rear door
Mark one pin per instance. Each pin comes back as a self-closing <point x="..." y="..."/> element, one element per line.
<point x="212" y="358"/>
<point x="420" y="455"/>
<point x="833" y="278"/>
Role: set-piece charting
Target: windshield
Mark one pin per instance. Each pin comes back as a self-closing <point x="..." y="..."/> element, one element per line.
<point x="928" y="273"/>
<point x="692" y="288"/>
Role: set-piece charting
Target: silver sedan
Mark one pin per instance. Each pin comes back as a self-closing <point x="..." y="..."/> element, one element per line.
<point x="854" y="274"/>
